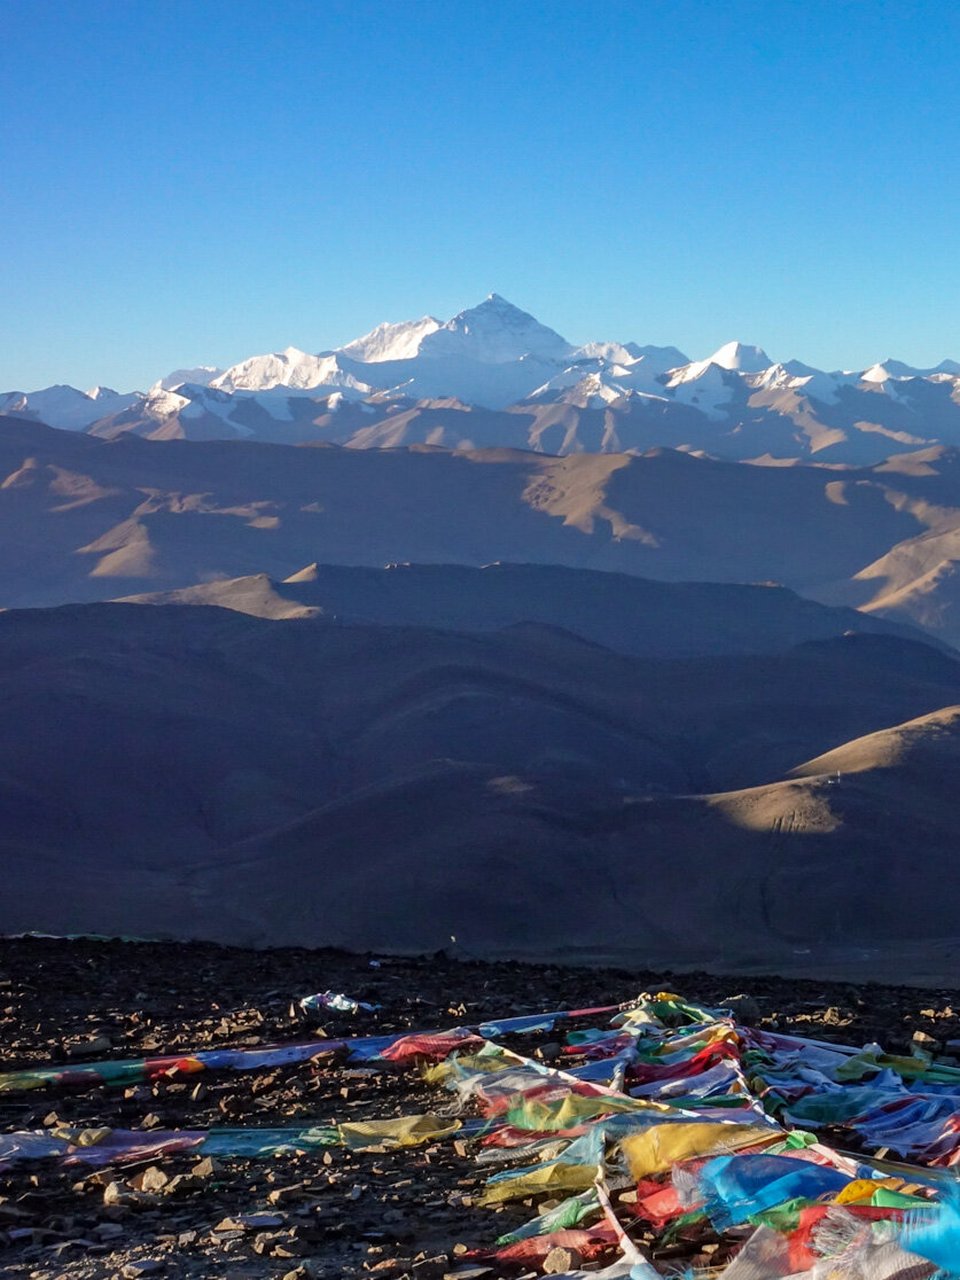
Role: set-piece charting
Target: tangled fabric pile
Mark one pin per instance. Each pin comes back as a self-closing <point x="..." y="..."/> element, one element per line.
<point x="672" y="1121"/>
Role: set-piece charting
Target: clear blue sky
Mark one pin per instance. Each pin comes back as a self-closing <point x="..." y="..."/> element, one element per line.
<point x="188" y="182"/>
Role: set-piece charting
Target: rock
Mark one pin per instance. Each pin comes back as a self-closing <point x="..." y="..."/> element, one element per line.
<point x="290" y="1249"/>
<point x="10" y="1212"/>
<point x="108" y="1231"/>
<point x="743" y="1007"/>
<point x="283" y="1195"/>
<point x="88" y="1048"/>
<point x="560" y="1260"/>
<point x="927" y="1041"/>
<point x="142" y="1267"/>
<point x="182" y="1182"/>
<point x="205" y="1168"/>
<point x="152" y="1179"/>
<point x="431" y="1268"/>
<point x="251" y="1222"/>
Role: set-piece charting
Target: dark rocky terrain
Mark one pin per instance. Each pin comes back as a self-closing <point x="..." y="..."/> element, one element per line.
<point x="390" y="1214"/>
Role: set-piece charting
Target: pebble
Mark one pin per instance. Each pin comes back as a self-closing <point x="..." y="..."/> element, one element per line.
<point x="142" y="1267"/>
<point x="91" y="1048"/>
<point x="561" y="1260"/>
<point x="108" y="1230"/>
<point x="152" y="1179"/>
<point x="251" y="1222"/>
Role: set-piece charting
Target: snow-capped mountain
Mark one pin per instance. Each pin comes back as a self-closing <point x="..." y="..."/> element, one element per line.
<point x="495" y="332"/>
<point x="493" y="375"/>
<point x="201" y="376"/>
<point x="734" y="356"/>
<point x="66" y="407"/>
<point x="390" y="341"/>
<point x="292" y="368"/>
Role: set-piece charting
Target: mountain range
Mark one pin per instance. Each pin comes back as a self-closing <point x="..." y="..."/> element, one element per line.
<point x="86" y="519"/>
<point x="200" y="772"/>
<point x="493" y="376"/>
<point x="462" y="630"/>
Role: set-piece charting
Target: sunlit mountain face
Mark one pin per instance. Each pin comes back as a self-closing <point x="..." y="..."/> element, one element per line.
<point x="494" y="376"/>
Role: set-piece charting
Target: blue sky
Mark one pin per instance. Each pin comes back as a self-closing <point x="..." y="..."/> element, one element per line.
<point x="197" y="182"/>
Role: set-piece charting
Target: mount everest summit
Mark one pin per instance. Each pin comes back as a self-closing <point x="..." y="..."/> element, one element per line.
<point x="495" y="376"/>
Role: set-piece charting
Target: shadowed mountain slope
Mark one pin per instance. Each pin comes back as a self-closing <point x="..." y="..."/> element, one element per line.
<point x="625" y="613"/>
<point x="196" y="771"/>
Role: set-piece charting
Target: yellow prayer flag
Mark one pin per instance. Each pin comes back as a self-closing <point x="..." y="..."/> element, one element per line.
<point x="403" y="1131"/>
<point x="659" y="1148"/>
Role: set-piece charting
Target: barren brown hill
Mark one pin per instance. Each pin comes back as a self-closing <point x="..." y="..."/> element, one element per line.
<point x="85" y="519"/>
<point x="199" y="772"/>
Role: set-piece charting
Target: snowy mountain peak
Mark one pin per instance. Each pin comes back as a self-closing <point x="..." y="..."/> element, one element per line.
<point x="66" y="407"/>
<point x="891" y="368"/>
<point x="495" y="332"/>
<point x="878" y="373"/>
<point x="432" y="381"/>
<point x="390" y="341"/>
<point x="658" y="359"/>
<point x="200" y="376"/>
<point x="741" y="357"/>
<point x="288" y="368"/>
<point x="611" y="352"/>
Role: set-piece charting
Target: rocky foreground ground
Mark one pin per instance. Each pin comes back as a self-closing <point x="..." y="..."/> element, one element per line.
<point x="412" y="1213"/>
